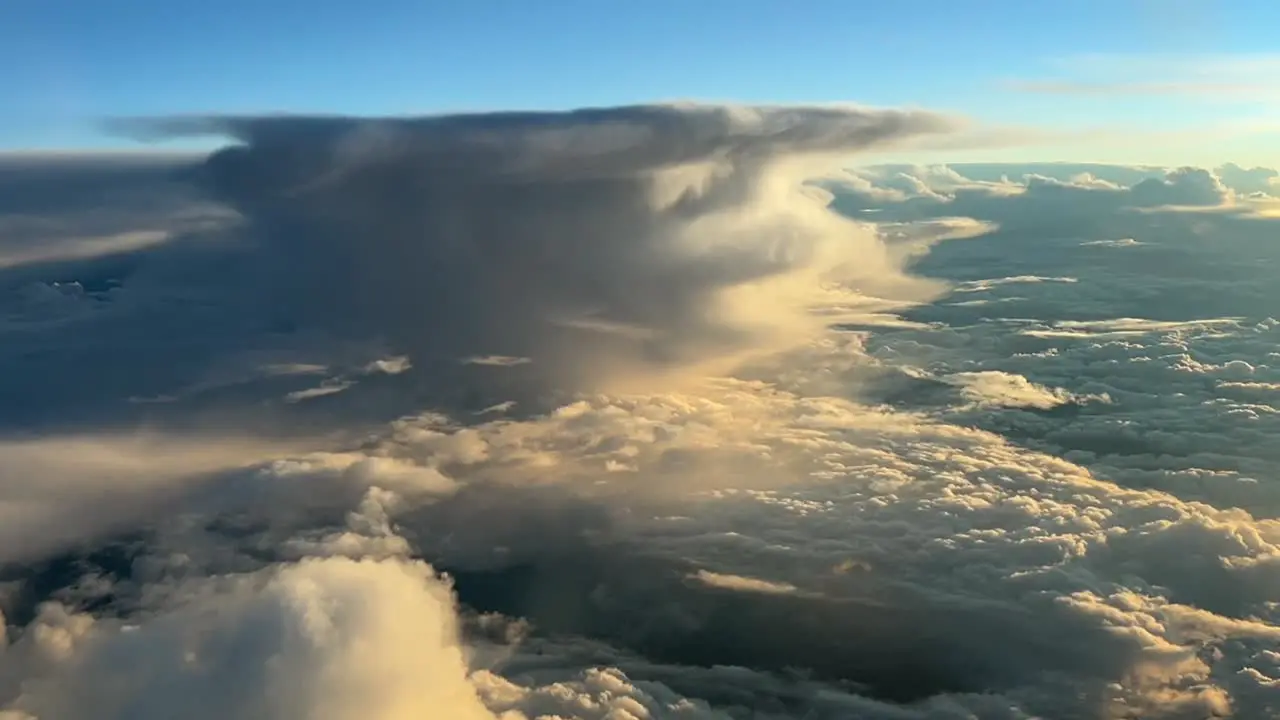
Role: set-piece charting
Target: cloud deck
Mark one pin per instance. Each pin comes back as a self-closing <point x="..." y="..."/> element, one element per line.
<point x="609" y="415"/>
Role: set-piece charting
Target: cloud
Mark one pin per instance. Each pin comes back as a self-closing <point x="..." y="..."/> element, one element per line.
<point x="989" y="283"/>
<point x="71" y="489"/>
<point x="1082" y="204"/>
<point x="1035" y="489"/>
<point x="789" y="535"/>
<point x="1166" y="327"/>
<point x="860" y="510"/>
<point x="1231" y="76"/>
<point x="327" y="388"/>
<point x="745" y="584"/>
<point x="664" y="240"/>
<point x="1118" y="243"/>
<point x="75" y="207"/>
<point x="632" y="242"/>
<point x="497" y="360"/>
<point x="659" y="236"/>
<point x="1250" y="180"/>
<point x="992" y="387"/>
<point x="1195" y="89"/>
<point x="871" y="547"/>
<point x="85" y="248"/>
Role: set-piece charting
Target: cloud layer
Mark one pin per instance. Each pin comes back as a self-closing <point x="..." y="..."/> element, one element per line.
<point x="1037" y="484"/>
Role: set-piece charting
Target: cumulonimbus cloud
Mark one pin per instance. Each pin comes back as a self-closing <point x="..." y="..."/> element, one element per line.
<point x="759" y="546"/>
<point x="597" y="243"/>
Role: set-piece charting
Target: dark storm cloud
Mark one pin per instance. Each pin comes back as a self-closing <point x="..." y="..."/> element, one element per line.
<point x="594" y="242"/>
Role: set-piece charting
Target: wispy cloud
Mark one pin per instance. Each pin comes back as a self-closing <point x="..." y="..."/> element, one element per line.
<point x="1167" y="87"/>
<point x="1244" y="76"/>
<point x="1204" y="64"/>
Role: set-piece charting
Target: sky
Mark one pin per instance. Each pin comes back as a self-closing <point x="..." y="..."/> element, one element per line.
<point x="1178" y="81"/>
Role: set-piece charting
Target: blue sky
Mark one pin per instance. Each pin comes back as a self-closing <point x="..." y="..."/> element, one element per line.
<point x="1159" y="81"/>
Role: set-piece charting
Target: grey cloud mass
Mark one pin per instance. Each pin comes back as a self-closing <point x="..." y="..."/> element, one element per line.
<point x="609" y="415"/>
<point x="621" y="234"/>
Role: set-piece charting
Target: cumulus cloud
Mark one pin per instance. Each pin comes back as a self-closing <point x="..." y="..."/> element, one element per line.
<point x="325" y="638"/>
<point x="775" y="533"/>
<point x="993" y="387"/>
<point x="1250" y="180"/>
<point x="875" y="548"/>
<point x="633" y="242"/>
<point x="67" y="490"/>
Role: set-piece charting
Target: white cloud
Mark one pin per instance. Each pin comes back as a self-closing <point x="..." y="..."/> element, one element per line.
<point x="390" y="366"/>
<point x="323" y="638"/>
<point x="67" y="490"/>
<point x="1248" y="91"/>
<point x="997" y="388"/>
<point x="743" y="584"/>
<point x="987" y="284"/>
<point x="685" y="225"/>
<point x="83" y="248"/>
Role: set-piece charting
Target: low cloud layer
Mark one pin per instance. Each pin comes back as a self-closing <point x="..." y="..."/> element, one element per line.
<point x="609" y="416"/>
